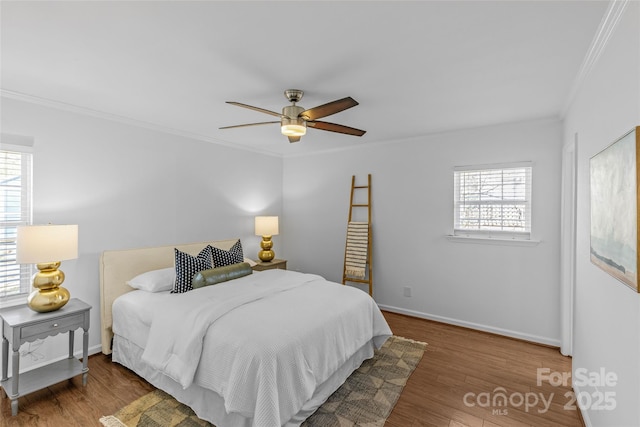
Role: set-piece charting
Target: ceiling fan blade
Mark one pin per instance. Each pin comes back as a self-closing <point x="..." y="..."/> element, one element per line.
<point x="328" y="109"/>
<point x="251" y="107"/>
<point x="332" y="127"/>
<point x="249" y="124"/>
<point x="294" y="138"/>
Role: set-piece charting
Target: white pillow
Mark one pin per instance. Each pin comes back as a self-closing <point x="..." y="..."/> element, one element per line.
<point x="155" y="280"/>
<point x="249" y="261"/>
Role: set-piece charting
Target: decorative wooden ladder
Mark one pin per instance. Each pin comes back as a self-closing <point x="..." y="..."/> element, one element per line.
<point x="357" y="253"/>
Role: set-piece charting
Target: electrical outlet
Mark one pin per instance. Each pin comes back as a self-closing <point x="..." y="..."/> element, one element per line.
<point x="407" y="291"/>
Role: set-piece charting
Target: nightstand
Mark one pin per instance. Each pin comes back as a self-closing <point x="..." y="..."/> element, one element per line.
<point x="20" y="325"/>
<point x="271" y="265"/>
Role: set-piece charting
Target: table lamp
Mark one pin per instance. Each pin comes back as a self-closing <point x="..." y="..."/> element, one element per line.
<point x="266" y="226"/>
<point x="46" y="246"/>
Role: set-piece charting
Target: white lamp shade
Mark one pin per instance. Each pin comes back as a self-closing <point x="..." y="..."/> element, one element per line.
<point x="266" y="225"/>
<point x="46" y="243"/>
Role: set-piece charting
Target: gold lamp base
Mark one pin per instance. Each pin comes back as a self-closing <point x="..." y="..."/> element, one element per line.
<point x="266" y="254"/>
<point x="49" y="295"/>
<point x="47" y="300"/>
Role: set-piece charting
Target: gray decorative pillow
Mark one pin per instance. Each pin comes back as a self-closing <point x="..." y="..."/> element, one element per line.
<point x="220" y="274"/>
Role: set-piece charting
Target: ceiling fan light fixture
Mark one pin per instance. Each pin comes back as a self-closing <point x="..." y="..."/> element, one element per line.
<point x="293" y="127"/>
<point x="294" y="119"/>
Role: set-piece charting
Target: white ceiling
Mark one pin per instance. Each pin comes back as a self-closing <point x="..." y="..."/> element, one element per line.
<point x="415" y="67"/>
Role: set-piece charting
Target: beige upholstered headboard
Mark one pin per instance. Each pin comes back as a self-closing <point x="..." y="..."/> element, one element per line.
<point x="119" y="266"/>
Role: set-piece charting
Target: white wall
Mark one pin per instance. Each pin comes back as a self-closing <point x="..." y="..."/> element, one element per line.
<point x="507" y="289"/>
<point x="127" y="186"/>
<point x="607" y="313"/>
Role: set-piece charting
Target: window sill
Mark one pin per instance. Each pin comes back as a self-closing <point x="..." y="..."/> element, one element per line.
<point x="492" y="241"/>
<point x="13" y="301"/>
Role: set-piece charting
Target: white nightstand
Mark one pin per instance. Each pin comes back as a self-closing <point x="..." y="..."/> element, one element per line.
<point x="20" y="325"/>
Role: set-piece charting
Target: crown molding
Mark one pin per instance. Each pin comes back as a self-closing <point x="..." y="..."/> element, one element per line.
<point x="603" y="34"/>
<point x="58" y="105"/>
<point x="426" y="136"/>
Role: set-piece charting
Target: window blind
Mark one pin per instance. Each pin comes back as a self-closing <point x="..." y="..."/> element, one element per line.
<point x="15" y="210"/>
<point x="493" y="200"/>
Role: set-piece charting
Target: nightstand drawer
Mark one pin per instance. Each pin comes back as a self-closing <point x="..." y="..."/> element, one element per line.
<point x="52" y="325"/>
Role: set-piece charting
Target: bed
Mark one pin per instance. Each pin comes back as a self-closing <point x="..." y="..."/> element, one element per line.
<point x="265" y="349"/>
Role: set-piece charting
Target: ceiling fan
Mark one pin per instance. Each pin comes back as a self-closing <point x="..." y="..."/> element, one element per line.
<point x="295" y="119"/>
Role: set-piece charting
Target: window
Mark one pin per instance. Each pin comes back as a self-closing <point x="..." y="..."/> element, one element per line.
<point x="15" y="210"/>
<point x="493" y="201"/>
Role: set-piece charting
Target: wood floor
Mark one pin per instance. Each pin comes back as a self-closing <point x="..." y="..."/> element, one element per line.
<point x="454" y="385"/>
<point x="463" y="370"/>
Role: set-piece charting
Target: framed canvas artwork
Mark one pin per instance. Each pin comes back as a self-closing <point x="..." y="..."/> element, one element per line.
<point x="615" y="181"/>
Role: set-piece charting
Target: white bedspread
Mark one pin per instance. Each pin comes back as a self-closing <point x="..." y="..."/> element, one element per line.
<point x="272" y="338"/>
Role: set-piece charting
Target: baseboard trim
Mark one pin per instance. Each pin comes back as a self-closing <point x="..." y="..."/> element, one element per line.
<point x="584" y="415"/>
<point x="477" y="326"/>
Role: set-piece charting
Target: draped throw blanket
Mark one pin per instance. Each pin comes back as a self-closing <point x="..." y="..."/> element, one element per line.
<point x="356" y="252"/>
<point x="263" y="374"/>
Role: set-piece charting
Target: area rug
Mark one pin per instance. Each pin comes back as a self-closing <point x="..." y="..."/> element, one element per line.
<point x="365" y="399"/>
